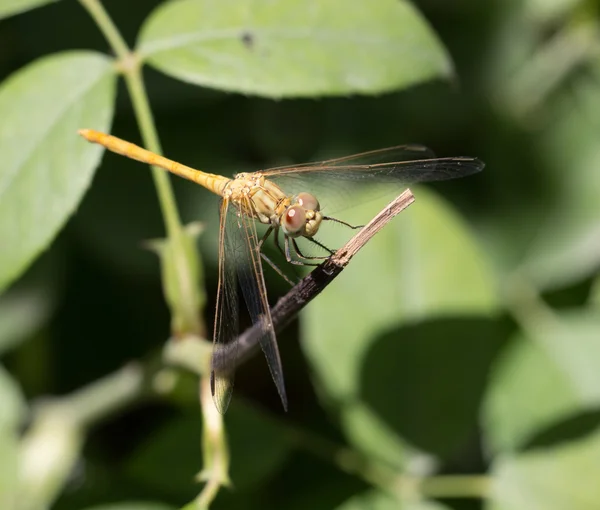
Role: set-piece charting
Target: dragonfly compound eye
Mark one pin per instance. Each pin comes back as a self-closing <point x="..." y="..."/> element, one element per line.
<point x="294" y="221"/>
<point x="308" y="201"/>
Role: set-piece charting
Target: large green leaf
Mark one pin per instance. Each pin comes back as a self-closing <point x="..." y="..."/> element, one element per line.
<point x="282" y="48"/>
<point x="423" y="266"/>
<point x="426" y="382"/>
<point x="559" y="373"/>
<point x="46" y="167"/>
<point x="559" y="478"/>
<point x="10" y="7"/>
<point x="565" y="250"/>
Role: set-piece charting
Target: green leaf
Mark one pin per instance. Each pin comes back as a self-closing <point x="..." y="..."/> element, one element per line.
<point x="285" y="49"/>
<point x="46" y="167"/>
<point x="380" y="501"/>
<point x="132" y="506"/>
<point x="558" y="372"/>
<point x="551" y="479"/>
<point x="426" y="381"/>
<point x="10" y="7"/>
<point x="424" y="265"/>
<point x="566" y="248"/>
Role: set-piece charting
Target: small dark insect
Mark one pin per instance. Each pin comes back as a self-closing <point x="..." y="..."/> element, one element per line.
<point x="248" y="40"/>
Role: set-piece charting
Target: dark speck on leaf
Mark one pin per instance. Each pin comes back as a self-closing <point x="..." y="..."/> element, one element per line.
<point x="248" y="40"/>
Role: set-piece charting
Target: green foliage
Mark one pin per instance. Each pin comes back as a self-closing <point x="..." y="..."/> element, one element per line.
<point x="284" y="49"/>
<point x="45" y="173"/>
<point x="10" y="7"/>
<point x="555" y="478"/>
<point x="556" y="370"/>
<point x="458" y="354"/>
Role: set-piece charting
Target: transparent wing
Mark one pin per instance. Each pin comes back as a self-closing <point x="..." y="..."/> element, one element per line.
<point x="333" y="181"/>
<point x="252" y="283"/>
<point x="408" y="152"/>
<point x="241" y="251"/>
<point x="226" y="327"/>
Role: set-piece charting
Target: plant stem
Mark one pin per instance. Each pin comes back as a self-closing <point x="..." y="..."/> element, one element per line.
<point x="135" y="85"/>
<point x="183" y="261"/>
<point x="106" y="25"/>
<point x="387" y="478"/>
<point x="288" y="307"/>
<point x="143" y="113"/>
<point x="106" y="396"/>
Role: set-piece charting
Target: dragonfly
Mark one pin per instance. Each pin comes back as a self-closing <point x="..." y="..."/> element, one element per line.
<point x="279" y="198"/>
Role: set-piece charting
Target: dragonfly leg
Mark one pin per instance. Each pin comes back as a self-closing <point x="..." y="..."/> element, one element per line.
<point x="277" y="270"/>
<point x="291" y="260"/>
<point x="320" y="245"/>
<point x="277" y="243"/>
<point x="354" y="227"/>
<point x="267" y="259"/>
<point x="307" y="257"/>
<point x="264" y="237"/>
<point x="288" y="254"/>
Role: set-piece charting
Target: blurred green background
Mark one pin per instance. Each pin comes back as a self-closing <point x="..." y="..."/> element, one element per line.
<point x="463" y="340"/>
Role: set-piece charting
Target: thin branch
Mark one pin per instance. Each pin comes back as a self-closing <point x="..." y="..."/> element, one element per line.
<point x="311" y="285"/>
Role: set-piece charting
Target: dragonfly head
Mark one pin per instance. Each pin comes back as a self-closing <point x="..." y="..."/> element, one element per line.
<point x="303" y="217"/>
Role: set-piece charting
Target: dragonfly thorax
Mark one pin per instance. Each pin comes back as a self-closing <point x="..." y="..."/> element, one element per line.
<point x="298" y="215"/>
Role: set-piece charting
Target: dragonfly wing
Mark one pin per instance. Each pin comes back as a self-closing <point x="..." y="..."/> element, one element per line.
<point x="336" y="183"/>
<point x="243" y="235"/>
<point x="226" y="327"/>
<point x="407" y="152"/>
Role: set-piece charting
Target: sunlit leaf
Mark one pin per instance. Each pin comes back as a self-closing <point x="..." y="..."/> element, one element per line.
<point x="423" y="265"/>
<point x="559" y="373"/>
<point x="551" y="479"/>
<point x="283" y="49"/>
<point x="10" y="7"/>
<point x="46" y="167"/>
